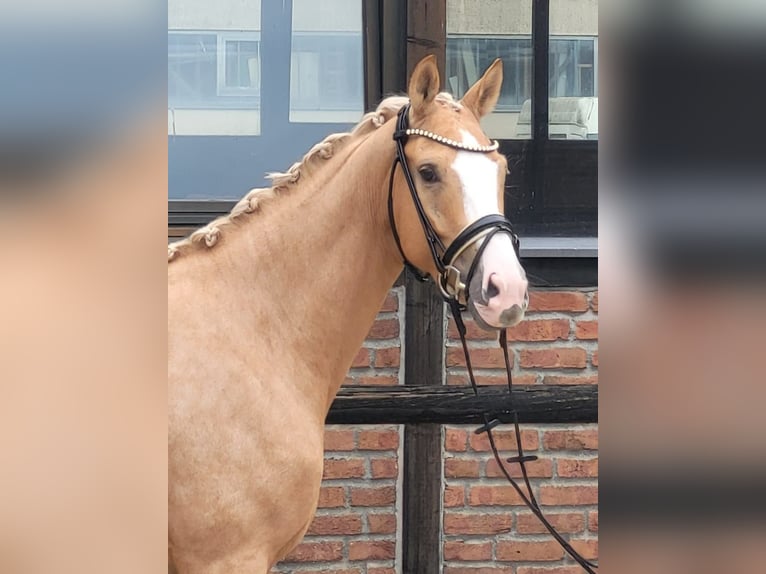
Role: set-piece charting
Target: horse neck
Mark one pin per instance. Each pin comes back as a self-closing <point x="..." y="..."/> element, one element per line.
<point x="325" y="259"/>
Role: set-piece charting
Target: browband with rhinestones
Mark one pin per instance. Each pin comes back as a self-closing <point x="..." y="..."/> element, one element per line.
<point x="452" y="143"/>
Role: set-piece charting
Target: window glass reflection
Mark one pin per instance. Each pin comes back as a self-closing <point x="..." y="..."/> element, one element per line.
<point x="326" y="67"/>
<point x="253" y="85"/>
<point x="477" y="33"/>
<point x="480" y="31"/>
<point x="573" y="70"/>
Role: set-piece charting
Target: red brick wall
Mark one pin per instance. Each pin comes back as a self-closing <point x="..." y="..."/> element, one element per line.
<point x="556" y="343"/>
<point x="486" y="527"/>
<point x="355" y="527"/>
<point x="486" y="531"/>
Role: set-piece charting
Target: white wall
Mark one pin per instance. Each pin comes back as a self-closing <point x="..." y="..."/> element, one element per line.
<point x="327" y="16"/>
<point x="574" y="17"/>
<point x="514" y="17"/>
<point x="214" y="14"/>
<point x="489" y="17"/>
<point x="506" y="17"/>
<point x="308" y="15"/>
<point x="214" y="122"/>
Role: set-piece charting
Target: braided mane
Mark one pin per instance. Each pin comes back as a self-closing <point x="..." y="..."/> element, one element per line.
<point x="209" y="235"/>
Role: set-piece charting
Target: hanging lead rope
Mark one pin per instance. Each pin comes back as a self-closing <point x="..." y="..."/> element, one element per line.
<point x="521" y="459"/>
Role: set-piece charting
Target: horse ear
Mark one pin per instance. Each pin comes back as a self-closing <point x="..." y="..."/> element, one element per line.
<point x="424" y="85"/>
<point x="482" y="96"/>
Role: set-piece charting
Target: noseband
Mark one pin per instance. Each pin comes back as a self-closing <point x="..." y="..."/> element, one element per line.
<point x="450" y="281"/>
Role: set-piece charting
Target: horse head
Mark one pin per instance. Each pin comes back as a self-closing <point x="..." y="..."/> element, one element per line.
<point x="448" y="218"/>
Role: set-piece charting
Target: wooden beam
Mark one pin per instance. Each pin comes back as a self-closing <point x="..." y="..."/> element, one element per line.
<point x="540" y="99"/>
<point x="423" y="349"/>
<point x="373" y="56"/>
<point x="546" y="404"/>
<point x="427" y="33"/>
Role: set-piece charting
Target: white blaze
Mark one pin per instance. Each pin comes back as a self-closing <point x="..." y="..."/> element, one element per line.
<point x="478" y="176"/>
<point x="479" y="179"/>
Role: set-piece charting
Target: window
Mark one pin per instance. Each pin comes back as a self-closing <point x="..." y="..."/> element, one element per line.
<point x="573" y="70"/>
<point x="251" y="87"/>
<point x="572" y="87"/>
<point x="573" y="67"/>
<point x="480" y="31"/>
<point x="573" y="74"/>
<point x="552" y="187"/>
<point x="326" y="72"/>
<point x="469" y="56"/>
<point x="192" y="69"/>
<point x="242" y="67"/>
<point x="213" y="70"/>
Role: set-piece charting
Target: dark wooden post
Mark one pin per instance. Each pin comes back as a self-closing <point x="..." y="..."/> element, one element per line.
<point x="540" y="94"/>
<point x="540" y="63"/>
<point x="422" y="457"/>
<point x="424" y="349"/>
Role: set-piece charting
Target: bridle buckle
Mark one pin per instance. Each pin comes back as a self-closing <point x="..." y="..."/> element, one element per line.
<point x="450" y="284"/>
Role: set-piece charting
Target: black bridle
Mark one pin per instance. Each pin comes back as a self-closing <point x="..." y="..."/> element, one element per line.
<point x="449" y="282"/>
<point x="456" y="294"/>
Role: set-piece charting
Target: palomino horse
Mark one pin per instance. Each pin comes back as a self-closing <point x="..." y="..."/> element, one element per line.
<point x="268" y="306"/>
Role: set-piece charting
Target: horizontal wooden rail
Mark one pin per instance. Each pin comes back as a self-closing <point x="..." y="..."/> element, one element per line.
<point x="458" y="405"/>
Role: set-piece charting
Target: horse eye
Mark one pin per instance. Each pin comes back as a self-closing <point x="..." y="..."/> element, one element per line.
<point x="428" y="174"/>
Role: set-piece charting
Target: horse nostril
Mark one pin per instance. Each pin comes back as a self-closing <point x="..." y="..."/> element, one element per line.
<point x="492" y="289"/>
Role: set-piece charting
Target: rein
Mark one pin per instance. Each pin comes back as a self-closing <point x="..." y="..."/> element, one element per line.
<point x="455" y="293"/>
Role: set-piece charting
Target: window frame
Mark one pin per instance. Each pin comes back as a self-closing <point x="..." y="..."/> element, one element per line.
<point x="594" y="39"/>
<point x="222" y="90"/>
